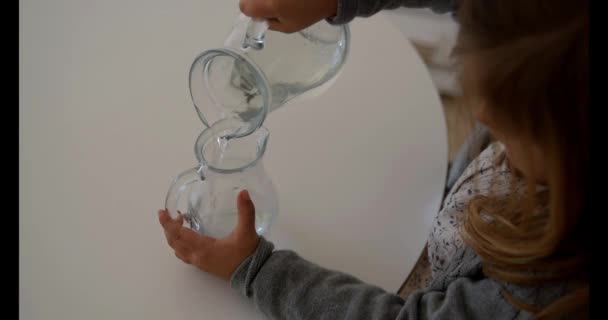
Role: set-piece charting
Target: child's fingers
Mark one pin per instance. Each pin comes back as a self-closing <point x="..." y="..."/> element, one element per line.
<point x="257" y="8"/>
<point x="246" y="214"/>
<point x="184" y="257"/>
<point x="167" y="222"/>
<point x="193" y="240"/>
<point x="164" y="218"/>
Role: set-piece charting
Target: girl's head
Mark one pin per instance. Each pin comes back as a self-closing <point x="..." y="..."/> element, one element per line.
<point x="525" y="72"/>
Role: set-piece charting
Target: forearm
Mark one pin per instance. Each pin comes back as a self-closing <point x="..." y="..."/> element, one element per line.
<point x="282" y="285"/>
<point x="285" y="286"/>
<point x="349" y="9"/>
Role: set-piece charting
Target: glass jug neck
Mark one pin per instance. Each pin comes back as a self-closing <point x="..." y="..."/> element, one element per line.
<point x="218" y="150"/>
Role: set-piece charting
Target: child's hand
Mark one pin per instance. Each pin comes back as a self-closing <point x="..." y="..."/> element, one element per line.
<point x="220" y="257"/>
<point x="290" y="15"/>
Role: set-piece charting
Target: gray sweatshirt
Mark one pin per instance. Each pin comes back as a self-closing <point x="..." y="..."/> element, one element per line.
<point x="349" y="9"/>
<point x="283" y="285"/>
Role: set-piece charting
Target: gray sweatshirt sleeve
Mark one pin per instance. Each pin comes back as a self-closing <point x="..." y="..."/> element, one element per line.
<point x="284" y="286"/>
<point x="349" y="9"/>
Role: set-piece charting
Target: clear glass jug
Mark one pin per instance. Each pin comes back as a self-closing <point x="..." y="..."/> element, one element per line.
<point x="206" y="194"/>
<point x="259" y="70"/>
<point x="233" y="88"/>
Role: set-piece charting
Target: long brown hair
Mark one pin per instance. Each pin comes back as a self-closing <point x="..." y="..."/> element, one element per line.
<point x="528" y="60"/>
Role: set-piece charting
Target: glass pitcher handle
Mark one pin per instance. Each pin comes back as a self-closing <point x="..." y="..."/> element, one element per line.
<point x="176" y="191"/>
<point x="256" y="32"/>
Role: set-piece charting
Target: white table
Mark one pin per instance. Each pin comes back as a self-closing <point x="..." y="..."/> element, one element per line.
<point x="106" y="122"/>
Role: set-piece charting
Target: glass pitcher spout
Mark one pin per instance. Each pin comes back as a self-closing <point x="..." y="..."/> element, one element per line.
<point x="218" y="148"/>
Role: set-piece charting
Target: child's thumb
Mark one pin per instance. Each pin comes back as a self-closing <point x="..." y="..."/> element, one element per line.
<point x="246" y="221"/>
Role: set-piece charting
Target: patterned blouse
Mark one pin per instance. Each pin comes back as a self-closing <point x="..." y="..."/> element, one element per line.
<point x="489" y="173"/>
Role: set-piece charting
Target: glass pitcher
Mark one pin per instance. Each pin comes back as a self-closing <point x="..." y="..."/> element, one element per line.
<point x="206" y="194"/>
<point x="259" y="70"/>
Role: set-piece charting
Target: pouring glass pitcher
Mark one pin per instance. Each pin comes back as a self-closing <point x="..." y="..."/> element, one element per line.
<point x="206" y="195"/>
<point x="233" y="89"/>
<point x="258" y="70"/>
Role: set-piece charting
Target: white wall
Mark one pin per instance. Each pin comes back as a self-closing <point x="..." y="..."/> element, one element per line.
<point x="436" y="30"/>
<point x="424" y="25"/>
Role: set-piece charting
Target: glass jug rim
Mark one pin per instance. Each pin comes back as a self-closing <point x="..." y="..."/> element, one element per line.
<point x="208" y="135"/>
<point x="262" y="83"/>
